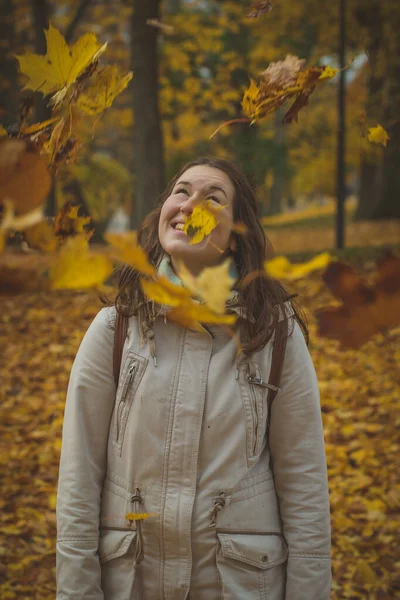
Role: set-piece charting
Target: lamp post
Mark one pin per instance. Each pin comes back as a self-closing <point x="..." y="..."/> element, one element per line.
<point x="341" y="139"/>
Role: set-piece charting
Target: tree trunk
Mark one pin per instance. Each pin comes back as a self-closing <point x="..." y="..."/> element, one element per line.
<point x="380" y="177"/>
<point x="148" y="141"/>
<point x="9" y="92"/>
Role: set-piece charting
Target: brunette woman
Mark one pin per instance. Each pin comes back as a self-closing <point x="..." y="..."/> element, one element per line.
<point x="237" y="495"/>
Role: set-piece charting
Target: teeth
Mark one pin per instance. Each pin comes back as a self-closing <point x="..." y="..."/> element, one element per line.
<point x="179" y="226"/>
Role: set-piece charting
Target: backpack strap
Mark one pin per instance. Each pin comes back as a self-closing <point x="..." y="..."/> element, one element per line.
<point x="121" y="327"/>
<point x="278" y="356"/>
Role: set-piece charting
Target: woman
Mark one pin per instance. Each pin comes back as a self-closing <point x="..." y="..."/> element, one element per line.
<point x="234" y="512"/>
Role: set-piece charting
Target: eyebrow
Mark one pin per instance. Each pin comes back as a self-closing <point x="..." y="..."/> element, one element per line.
<point x="212" y="188"/>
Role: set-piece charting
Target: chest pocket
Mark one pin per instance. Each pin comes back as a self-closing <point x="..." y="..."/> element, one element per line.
<point x="254" y="397"/>
<point x="130" y="378"/>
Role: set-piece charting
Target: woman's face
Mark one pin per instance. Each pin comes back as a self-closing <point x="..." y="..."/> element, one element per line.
<point x="193" y="186"/>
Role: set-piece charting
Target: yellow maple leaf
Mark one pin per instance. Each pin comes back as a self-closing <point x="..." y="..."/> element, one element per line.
<point x="328" y="73"/>
<point x="41" y="236"/>
<point x="251" y="100"/>
<point x="378" y="135"/>
<point x="200" y="223"/>
<point x="62" y="65"/>
<point x="126" y="249"/>
<point x="281" y="268"/>
<point x="104" y="86"/>
<point x="139" y="516"/>
<point x="36" y="127"/>
<point x="163" y="292"/>
<point x="213" y="285"/>
<point x="76" y="267"/>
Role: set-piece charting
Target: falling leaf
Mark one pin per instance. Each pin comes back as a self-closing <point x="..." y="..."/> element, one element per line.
<point x="200" y="223"/>
<point x="283" y="74"/>
<point x="62" y="65"/>
<point x="68" y="222"/>
<point x="10" y="221"/>
<point x="378" y="135"/>
<point x="281" y="81"/>
<point x="213" y="284"/>
<point x="364" y="310"/>
<point x="168" y="29"/>
<point x="163" y="292"/>
<point x="36" y="127"/>
<point x="328" y="73"/>
<point x="24" y="176"/>
<point x="259" y="8"/>
<point x="280" y="267"/>
<point x="126" y="249"/>
<point x="139" y="516"/>
<point x="41" y="236"/>
<point x="75" y="267"/>
<point x="104" y="86"/>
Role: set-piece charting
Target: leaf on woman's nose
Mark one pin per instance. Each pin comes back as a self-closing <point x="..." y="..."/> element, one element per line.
<point x="200" y="223"/>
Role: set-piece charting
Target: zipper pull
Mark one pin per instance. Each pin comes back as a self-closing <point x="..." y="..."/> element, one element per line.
<point x="131" y="372"/>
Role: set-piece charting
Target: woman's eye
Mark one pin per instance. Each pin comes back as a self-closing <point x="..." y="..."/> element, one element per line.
<point x="214" y="199"/>
<point x="182" y="191"/>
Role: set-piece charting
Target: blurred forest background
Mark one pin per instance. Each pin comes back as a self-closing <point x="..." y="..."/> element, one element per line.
<point x="191" y="61"/>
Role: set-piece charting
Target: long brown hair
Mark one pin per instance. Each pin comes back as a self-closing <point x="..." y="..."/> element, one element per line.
<point x="260" y="297"/>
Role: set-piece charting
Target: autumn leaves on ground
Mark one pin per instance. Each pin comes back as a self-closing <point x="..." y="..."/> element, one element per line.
<point x="40" y="334"/>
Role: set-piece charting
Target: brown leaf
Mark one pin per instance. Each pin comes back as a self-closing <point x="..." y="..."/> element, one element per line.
<point x="365" y="311"/>
<point x="260" y="8"/>
<point x="24" y="177"/>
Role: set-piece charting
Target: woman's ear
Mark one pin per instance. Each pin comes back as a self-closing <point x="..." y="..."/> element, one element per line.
<point x="233" y="244"/>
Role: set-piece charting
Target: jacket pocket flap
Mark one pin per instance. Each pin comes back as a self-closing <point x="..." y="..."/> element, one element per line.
<point x="260" y="550"/>
<point x="114" y="543"/>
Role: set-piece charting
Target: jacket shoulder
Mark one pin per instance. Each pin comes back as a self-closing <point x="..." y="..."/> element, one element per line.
<point x="108" y="314"/>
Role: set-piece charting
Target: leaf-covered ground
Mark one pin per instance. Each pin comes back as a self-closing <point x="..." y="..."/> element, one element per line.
<point x="39" y="336"/>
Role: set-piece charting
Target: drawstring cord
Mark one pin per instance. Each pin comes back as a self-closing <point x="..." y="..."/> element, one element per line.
<point x="137" y="500"/>
<point x="147" y="333"/>
<point x="219" y="504"/>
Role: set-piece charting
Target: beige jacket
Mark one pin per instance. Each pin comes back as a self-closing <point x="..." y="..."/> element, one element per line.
<point x="184" y="441"/>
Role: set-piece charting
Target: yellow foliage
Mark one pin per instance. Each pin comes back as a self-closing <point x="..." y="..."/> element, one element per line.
<point x="328" y="73"/>
<point x="126" y="249"/>
<point x="165" y="293"/>
<point x="62" y="65"/>
<point x="213" y="285"/>
<point x="75" y="267"/>
<point x="41" y="236"/>
<point x="139" y="516"/>
<point x="378" y="135"/>
<point x="104" y="86"/>
<point x="281" y="268"/>
<point x="200" y="223"/>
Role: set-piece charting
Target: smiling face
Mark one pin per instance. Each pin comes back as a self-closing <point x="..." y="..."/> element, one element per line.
<point x="194" y="185"/>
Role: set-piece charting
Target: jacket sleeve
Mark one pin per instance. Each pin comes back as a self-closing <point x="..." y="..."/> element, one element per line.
<point x="300" y="473"/>
<point x="88" y="409"/>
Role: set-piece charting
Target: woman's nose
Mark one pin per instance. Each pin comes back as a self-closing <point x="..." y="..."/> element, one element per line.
<point x="189" y="204"/>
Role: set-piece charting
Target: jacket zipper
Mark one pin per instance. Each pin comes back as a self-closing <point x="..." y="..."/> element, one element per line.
<point x="127" y="385"/>
<point x="254" y="415"/>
